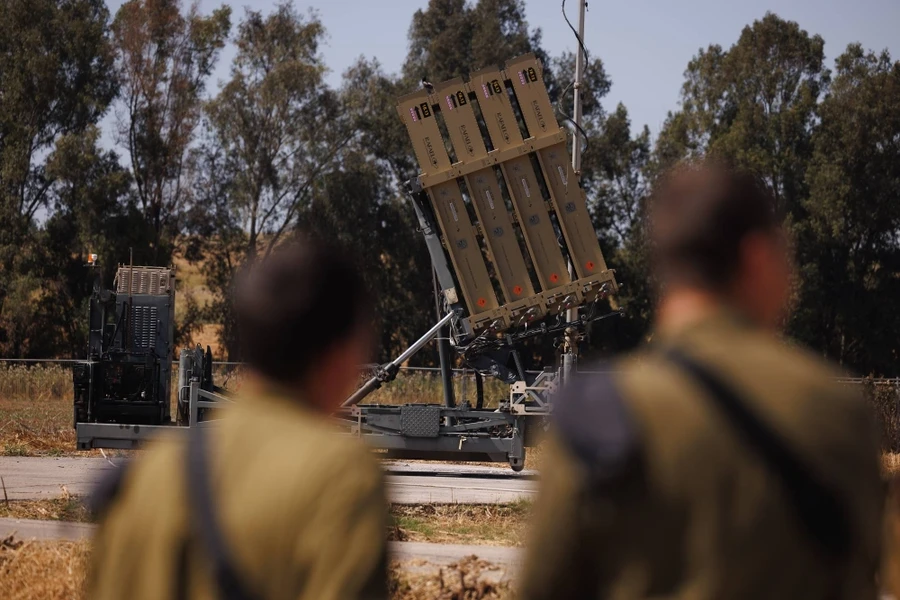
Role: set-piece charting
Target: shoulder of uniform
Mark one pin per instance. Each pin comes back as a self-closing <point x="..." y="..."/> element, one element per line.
<point x="806" y="359"/>
<point x="819" y="375"/>
<point x="346" y="461"/>
<point x="595" y="425"/>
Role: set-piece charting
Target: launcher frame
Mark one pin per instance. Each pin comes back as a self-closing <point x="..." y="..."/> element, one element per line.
<point x="515" y="255"/>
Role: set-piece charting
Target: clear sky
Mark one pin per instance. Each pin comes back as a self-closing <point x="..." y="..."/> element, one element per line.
<point x="645" y="45"/>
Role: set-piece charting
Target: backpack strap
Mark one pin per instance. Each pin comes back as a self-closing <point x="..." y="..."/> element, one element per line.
<point x="595" y="425"/>
<point x="204" y="520"/>
<point x="107" y="490"/>
<point x="820" y="511"/>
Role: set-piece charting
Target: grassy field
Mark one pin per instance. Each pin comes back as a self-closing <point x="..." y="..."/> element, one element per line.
<point x="36" y="403"/>
<point x="36" y="411"/>
<point x="493" y="525"/>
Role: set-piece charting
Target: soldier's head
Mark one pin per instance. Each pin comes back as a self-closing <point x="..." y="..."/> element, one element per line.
<point x="716" y="231"/>
<point x="303" y="317"/>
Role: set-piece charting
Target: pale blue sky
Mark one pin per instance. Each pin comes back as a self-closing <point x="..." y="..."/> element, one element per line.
<point x="645" y="45"/>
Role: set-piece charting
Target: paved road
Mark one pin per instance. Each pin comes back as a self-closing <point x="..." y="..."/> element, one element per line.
<point x="434" y="554"/>
<point x="27" y="478"/>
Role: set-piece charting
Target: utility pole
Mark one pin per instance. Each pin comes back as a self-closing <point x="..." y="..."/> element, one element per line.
<point x="579" y="77"/>
<point x="570" y="356"/>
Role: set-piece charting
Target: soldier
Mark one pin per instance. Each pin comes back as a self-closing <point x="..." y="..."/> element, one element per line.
<point x="266" y="502"/>
<point x="720" y="461"/>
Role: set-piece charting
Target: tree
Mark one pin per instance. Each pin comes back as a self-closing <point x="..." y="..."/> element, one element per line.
<point x="274" y="129"/>
<point x="851" y="261"/>
<point x="618" y="188"/>
<point x="615" y="166"/>
<point x="451" y="38"/>
<point x="357" y="206"/>
<point x="55" y="80"/>
<point x="163" y="59"/>
<point x="753" y="105"/>
<point x="93" y="212"/>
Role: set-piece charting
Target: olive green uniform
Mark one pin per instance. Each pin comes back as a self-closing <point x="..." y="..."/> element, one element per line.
<point x="698" y="514"/>
<point x="302" y="510"/>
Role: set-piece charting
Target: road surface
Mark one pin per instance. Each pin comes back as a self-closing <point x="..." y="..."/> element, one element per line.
<point x="29" y="478"/>
<point x="433" y="554"/>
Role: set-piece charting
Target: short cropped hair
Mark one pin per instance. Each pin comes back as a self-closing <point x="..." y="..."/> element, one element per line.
<point x="698" y="218"/>
<point x="295" y="304"/>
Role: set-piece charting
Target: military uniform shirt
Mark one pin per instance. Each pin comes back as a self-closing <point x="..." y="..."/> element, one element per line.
<point x="302" y="510"/>
<point x="698" y="514"/>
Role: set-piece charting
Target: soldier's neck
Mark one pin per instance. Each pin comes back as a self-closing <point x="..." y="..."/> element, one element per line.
<point x="683" y="307"/>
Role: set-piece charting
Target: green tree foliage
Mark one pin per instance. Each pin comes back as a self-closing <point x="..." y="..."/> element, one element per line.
<point x="274" y="129"/>
<point x="617" y="187"/>
<point x="94" y="212"/>
<point x="163" y="59"/>
<point x="447" y="39"/>
<point x="55" y="80"/>
<point x="829" y="152"/>
<point x="225" y="179"/>
<point x="850" y="268"/>
<point x="614" y="176"/>
<point x="754" y="105"/>
<point x="357" y="205"/>
<point x="451" y="38"/>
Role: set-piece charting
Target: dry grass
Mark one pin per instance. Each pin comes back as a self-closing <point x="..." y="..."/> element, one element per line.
<point x="42" y="570"/>
<point x="890" y="464"/>
<point x="57" y="570"/>
<point x="493" y="525"/>
<point x="38" y="382"/>
<point x="36" y="410"/>
<point x="191" y="285"/>
<point x="208" y="335"/>
<point x="65" y="508"/>
<point x="52" y="382"/>
<point x="36" y="402"/>
<point x="468" y="579"/>
<point x="425" y="386"/>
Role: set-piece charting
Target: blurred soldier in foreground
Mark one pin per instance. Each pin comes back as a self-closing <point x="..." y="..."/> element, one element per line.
<point x="266" y="502"/>
<point x="720" y="461"/>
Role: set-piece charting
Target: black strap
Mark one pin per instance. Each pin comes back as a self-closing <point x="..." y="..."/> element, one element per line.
<point x="204" y="519"/>
<point x="107" y="490"/>
<point x="817" y="507"/>
<point x="596" y="426"/>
